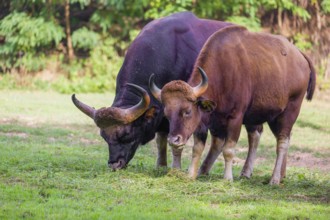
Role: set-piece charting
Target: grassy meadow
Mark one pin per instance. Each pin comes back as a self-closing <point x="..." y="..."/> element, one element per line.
<point x="53" y="165"/>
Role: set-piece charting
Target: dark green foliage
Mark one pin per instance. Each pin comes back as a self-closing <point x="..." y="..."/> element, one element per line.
<point x="248" y="12"/>
<point x="326" y="6"/>
<point x="85" y="39"/>
<point x="32" y="33"/>
<point x="161" y="8"/>
<point x="25" y="37"/>
<point x="99" y="71"/>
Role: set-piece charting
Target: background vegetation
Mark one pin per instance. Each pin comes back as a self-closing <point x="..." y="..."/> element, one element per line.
<point x="53" y="165"/>
<point x="78" y="45"/>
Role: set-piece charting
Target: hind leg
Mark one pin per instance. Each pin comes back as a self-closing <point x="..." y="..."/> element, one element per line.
<point x="280" y="165"/>
<point x="281" y="128"/>
<point x="233" y="131"/>
<point x="254" y="133"/>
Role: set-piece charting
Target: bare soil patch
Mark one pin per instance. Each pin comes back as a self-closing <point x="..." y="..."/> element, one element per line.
<point x="298" y="159"/>
<point x="307" y="160"/>
<point x="15" y="134"/>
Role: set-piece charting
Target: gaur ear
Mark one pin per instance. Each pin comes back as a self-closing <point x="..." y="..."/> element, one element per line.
<point x="206" y="105"/>
<point x="151" y="113"/>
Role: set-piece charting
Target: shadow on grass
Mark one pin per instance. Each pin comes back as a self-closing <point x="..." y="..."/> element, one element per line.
<point x="148" y="170"/>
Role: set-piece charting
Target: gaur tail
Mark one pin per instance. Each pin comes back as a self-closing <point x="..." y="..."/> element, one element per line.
<point x="312" y="79"/>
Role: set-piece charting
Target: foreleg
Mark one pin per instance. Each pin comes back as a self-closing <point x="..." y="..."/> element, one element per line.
<point x="214" y="152"/>
<point x="199" y="145"/>
<point x="161" y="141"/>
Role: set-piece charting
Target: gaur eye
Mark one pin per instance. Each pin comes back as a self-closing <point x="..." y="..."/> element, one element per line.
<point x="186" y="113"/>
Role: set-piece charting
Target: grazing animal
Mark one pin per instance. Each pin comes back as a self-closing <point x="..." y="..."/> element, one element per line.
<point x="167" y="47"/>
<point x="251" y="78"/>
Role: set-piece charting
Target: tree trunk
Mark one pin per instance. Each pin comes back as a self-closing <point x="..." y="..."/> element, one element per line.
<point x="318" y="16"/>
<point x="279" y="19"/>
<point x="70" y="52"/>
<point x="327" y="70"/>
<point x="49" y="8"/>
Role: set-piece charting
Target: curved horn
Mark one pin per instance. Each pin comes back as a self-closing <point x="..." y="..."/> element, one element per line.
<point x="155" y="91"/>
<point x="201" y="88"/>
<point x="114" y="115"/>
<point x="89" y="111"/>
<point x="130" y="114"/>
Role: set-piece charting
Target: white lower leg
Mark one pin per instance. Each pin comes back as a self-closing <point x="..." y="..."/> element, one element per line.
<point x="228" y="154"/>
<point x="281" y="150"/>
<point x="283" y="168"/>
<point x="196" y="155"/>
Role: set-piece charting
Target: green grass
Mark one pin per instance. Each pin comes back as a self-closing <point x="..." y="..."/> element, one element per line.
<point x="53" y="165"/>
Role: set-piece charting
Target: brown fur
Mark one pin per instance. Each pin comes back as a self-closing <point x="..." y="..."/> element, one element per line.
<point x="253" y="71"/>
<point x="252" y="78"/>
<point x="178" y="88"/>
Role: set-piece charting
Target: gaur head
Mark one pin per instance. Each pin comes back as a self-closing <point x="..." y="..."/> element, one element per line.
<point x="183" y="107"/>
<point x="122" y="128"/>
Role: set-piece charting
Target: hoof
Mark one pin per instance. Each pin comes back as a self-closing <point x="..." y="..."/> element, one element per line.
<point x="245" y="176"/>
<point x="203" y="173"/>
<point x="228" y="178"/>
<point x="274" y="181"/>
<point x="161" y="166"/>
<point x="192" y="175"/>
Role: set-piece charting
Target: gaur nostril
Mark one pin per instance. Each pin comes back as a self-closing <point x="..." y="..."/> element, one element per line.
<point x="178" y="139"/>
<point x="175" y="140"/>
<point x="117" y="165"/>
<point x="121" y="163"/>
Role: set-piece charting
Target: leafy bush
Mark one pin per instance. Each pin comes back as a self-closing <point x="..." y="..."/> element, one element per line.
<point x="96" y="74"/>
<point x="85" y="39"/>
<point x="302" y="41"/>
<point x="26" y="36"/>
<point x="7" y="81"/>
<point x="326" y="6"/>
<point x="287" y="5"/>
<point x="251" y="24"/>
<point x="31" y="62"/>
<point x="161" y="8"/>
<point x="22" y="82"/>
